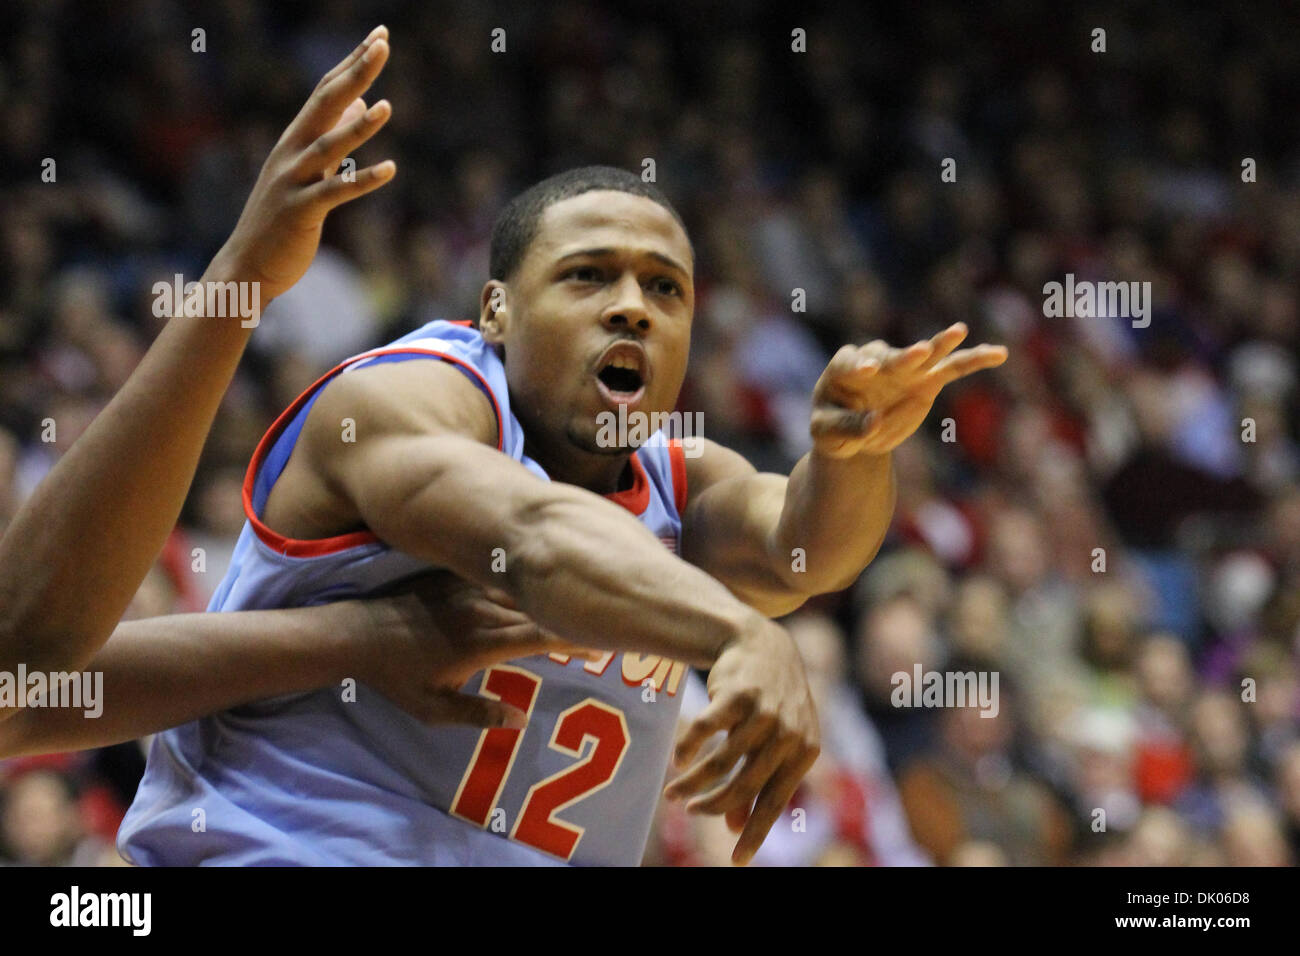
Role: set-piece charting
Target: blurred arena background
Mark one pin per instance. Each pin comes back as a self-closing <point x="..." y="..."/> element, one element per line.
<point x="1121" y="690"/>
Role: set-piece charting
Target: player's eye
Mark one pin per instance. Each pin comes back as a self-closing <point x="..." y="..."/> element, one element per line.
<point x="665" y="286"/>
<point x="584" y="274"/>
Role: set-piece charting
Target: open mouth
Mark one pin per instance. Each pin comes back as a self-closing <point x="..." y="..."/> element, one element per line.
<point x="618" y="380"/>
<point x="622" y="373"/>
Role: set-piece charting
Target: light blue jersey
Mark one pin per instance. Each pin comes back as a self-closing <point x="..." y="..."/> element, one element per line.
<point x="325" y="779"/>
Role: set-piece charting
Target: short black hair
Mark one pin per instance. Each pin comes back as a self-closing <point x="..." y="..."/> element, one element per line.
<point x="517" y="225"/>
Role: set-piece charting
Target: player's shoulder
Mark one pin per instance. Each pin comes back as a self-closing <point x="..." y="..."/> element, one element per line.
<point x="423" y="384"/>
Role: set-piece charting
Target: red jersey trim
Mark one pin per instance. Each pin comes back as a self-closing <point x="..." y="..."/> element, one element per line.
<point x="637" y="498"/>
<point x="677" y="455"/>
<point x="317" y="547"/>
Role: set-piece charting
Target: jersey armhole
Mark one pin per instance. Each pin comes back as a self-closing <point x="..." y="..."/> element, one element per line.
<point x="274" y="450"/>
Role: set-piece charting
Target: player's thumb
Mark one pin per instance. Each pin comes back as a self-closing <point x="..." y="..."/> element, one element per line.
<point x="457" y="708"/>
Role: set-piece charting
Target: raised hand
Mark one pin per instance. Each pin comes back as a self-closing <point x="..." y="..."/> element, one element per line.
<point x="279" y="229"/>
<point x="872" y="397"/>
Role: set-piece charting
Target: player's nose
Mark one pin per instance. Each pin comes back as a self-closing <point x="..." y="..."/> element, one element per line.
<point x="627" y="308"/>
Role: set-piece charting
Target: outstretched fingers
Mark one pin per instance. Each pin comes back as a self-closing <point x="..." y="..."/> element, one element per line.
<point x="356" y="126"/>
<point x="336" y="90"/>
<point x="963" y="363"/>
<point x="944" y="342"/>
<point x="908" y="360"/>
<point x="351" y="58"/>
<point x="344" y="187"/>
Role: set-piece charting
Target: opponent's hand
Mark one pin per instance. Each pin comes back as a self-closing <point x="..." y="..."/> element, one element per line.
<point x="871" y="397"/>
<point x="759" y="696"/>
<point x="279" y="230"/>
<point x="435" y="632"/>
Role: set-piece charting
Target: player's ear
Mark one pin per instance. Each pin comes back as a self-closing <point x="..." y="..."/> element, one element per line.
<point x="493" y="312"/>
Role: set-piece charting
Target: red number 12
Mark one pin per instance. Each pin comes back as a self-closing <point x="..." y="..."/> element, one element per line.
<point x="590" y="720"/>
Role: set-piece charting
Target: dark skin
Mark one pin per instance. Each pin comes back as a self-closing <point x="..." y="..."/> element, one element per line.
<point x="429" y="426"/>
<point x="615" y="254"/>
<point x="426" y="437"/>
<point x="80" y="546"/>
<point x="608" y="267"/>
<point x="78" y="549"/>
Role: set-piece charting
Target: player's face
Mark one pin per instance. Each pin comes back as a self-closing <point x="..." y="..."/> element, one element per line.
<point x="598" y="315"/>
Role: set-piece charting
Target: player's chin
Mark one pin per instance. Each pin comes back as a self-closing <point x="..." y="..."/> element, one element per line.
<point x="592" y="438"/>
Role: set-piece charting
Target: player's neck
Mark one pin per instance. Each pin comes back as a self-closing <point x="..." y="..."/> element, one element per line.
<point x="602" y="474"/>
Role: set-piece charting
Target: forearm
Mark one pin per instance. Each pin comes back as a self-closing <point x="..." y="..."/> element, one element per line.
<point x="838" y="511"/>
<point x="577" y="564"/>
<point x="589" y="571"/>
<point x="76" y="553"/>
<point x="162" y="672"/>
<point x="78" y="549"/>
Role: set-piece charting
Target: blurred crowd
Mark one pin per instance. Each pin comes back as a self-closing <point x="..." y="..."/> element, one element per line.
<point x="1111" y="521"/>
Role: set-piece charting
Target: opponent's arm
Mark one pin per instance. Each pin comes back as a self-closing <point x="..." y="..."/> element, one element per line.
<point x="744" y="527"/>
<point x="79" y="547"/>
<point x="421" y="475"/>
<point x="415" y="646"/>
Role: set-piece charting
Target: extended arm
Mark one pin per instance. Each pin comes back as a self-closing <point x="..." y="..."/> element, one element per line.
<point x="78" y="549"/>
<point x="421" y="476"/>
<point x="416" y="646"/>
<point x="776" y="541"/>
<point x="164" y="671"/>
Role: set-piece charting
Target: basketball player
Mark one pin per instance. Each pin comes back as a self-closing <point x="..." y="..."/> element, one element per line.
<point x="80" y="546"/>
<point x="479" y="451"/>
